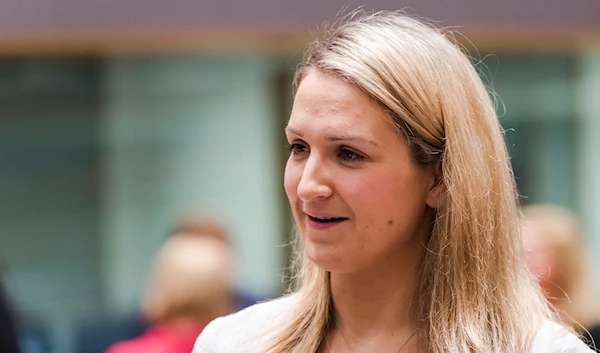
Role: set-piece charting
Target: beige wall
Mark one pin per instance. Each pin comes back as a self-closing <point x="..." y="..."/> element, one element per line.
<point x="101" y="26"/>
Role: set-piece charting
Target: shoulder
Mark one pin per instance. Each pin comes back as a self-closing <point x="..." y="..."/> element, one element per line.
<point x="592" y="336"/>
<point x="148" y="342"/>
<point x="245" y="330"/>
<point x="555" y="338"/>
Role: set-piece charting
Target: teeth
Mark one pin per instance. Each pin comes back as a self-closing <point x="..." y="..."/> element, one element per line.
<point x="325" y="219"/>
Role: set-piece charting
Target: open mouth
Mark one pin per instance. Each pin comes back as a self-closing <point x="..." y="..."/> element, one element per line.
<point x="327" y="219"/>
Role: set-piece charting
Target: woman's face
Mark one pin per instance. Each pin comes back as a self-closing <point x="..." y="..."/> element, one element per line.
<point x="357" y="197"/>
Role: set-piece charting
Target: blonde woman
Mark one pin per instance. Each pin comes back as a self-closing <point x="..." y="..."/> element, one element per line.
<point x="554" y="249"/>
<point x="401" y="187"/>
<point x="190" y="285"/>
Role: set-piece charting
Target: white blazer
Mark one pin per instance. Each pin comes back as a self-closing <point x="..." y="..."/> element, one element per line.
<point x="248" y="330"/>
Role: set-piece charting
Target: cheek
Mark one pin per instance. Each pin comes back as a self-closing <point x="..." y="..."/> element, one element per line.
<point x="389" y="196"/>
<point x="291" y="179"/>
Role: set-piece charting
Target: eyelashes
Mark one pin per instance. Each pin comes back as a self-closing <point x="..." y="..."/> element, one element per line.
<point x="344" y="153"/>
<point x="349" y="155"/>
<point x="296" y="148"/>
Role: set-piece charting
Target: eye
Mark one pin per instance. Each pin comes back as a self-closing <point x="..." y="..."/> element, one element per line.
<point x="349" y="155"/>
<point x="296" y="148"/>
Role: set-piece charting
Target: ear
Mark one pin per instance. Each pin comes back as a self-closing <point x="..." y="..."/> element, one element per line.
<point x="434" y="198"/>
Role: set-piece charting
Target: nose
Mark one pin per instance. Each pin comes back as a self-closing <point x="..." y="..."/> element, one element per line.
<point x="314" y="181"/>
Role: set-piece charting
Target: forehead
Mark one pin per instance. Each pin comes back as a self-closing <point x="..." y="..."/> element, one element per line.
<point x="324" y="99"/>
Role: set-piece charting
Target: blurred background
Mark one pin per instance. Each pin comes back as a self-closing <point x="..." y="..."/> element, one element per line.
<point x="120" y="118"/>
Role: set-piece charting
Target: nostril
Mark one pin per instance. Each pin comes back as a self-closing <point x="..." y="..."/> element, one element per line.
<point x="311" y="189"/>
<point x="311" y="193"/>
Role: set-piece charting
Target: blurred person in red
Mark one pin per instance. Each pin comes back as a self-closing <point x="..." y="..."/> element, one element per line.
<point x="190" y="284"/>
<point x="555" y="254"/>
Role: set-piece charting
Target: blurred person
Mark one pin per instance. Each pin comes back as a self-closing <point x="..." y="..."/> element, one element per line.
<point x="555" y="252"/>
<point x="9" y="339"/>
<point x="190" y="285"/>
<point x="401" y="187"/>
<point x="201" y="227"/>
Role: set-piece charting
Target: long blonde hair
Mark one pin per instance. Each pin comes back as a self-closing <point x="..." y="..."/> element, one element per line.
<point x="557" y="228"/>
<point x="476" y="294"/>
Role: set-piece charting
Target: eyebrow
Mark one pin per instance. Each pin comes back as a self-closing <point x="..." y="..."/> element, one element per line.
<point x="336" y="137"/>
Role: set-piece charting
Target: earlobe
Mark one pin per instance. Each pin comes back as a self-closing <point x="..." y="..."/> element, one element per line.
<point x="434" y="198"/>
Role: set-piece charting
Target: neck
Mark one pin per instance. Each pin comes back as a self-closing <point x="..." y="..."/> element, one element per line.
<point x="377" y="300"/>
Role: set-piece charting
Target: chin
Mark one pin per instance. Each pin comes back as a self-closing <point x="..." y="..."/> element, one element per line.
<point x="326" y="260"/>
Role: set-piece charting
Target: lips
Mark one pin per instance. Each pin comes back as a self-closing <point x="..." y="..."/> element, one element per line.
<point x="320" y="221"/>
<point x="327" y="219"/>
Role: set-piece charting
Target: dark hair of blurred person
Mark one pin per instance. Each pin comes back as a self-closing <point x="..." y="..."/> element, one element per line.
<point x="555" y="254"/>
<point x="202" y="227"/>
<point x="190" y="284"/>
<point x="9" y="341"/>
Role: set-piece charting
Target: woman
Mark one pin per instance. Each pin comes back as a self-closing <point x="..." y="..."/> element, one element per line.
<point x="555" y="253"/>
<point x="190" y="285"/>
<point x="401" y="187"/>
